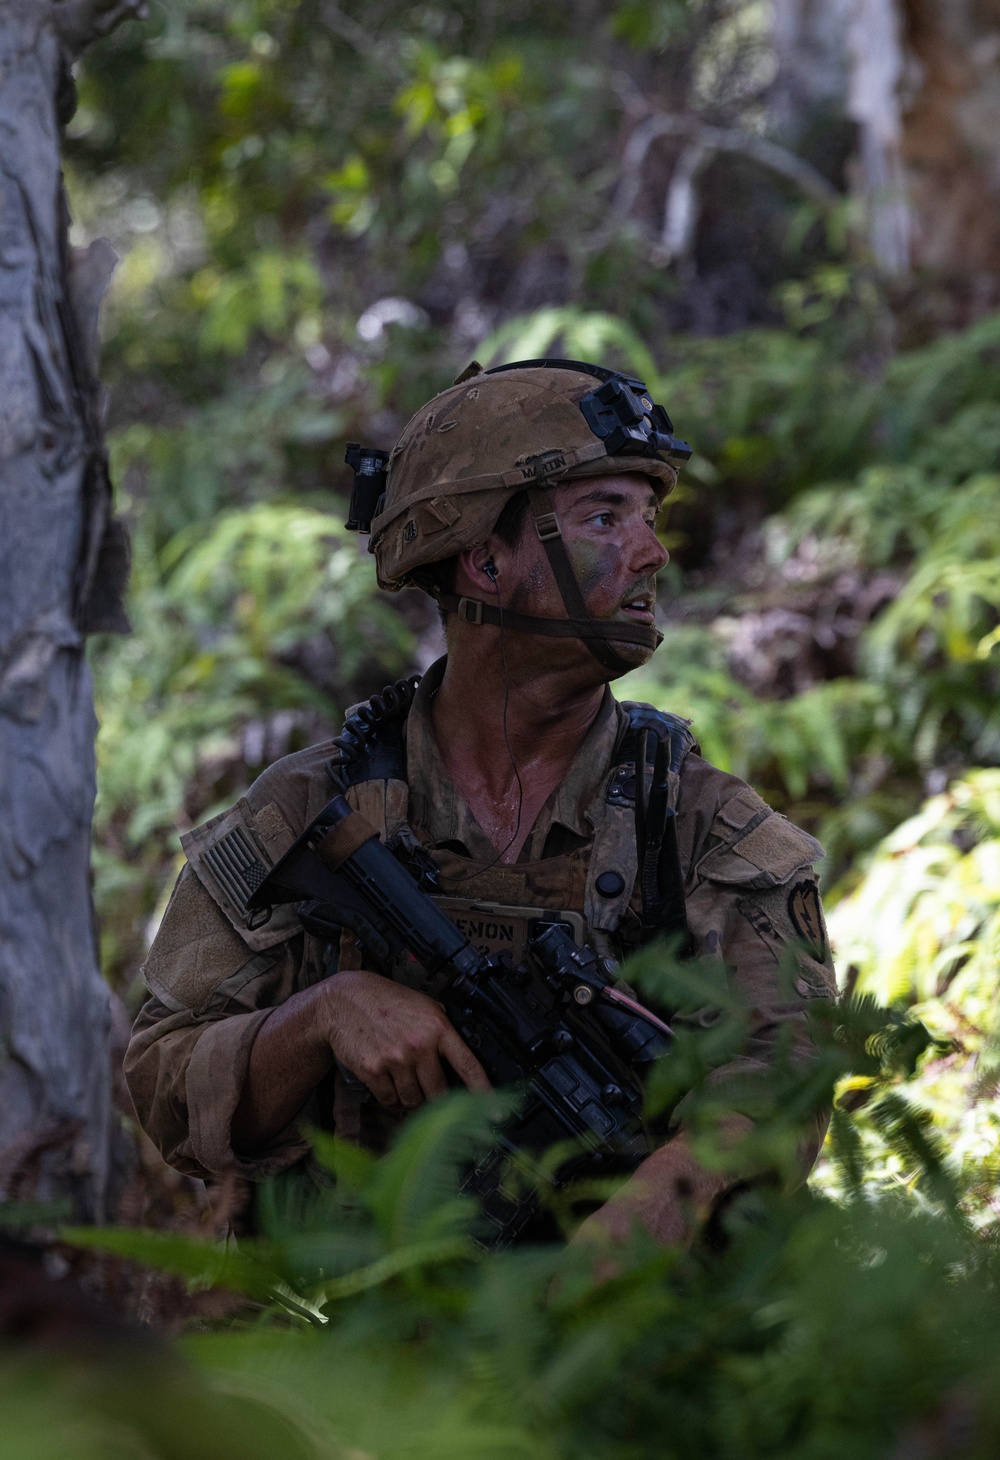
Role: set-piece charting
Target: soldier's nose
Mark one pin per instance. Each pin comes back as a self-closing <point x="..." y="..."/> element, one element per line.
<point x="648" y="554"/>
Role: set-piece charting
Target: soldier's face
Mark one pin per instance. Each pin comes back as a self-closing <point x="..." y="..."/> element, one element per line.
<point x="607" y="525"/>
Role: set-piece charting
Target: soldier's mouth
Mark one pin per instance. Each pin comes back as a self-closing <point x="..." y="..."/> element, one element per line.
<point x="641" y="607"/>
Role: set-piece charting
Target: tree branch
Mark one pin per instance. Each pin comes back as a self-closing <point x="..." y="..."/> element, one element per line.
<point x="708" y="139"/>
<point x="350" y="31"/>
<point x="680" y="208"/>
<point x="361" y="40"/>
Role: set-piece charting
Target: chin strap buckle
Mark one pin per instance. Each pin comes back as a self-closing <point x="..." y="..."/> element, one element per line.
<point x="547" y="526"/>
<point x="470" y="610"/>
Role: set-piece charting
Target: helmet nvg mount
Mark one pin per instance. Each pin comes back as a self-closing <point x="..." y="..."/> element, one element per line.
<point x="527" y="426"/>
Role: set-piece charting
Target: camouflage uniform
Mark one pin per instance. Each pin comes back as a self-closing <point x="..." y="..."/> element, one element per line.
<point x="213" y="980"/>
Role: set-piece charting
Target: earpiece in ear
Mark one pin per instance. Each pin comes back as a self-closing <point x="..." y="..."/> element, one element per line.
<point x="490" y="569"/>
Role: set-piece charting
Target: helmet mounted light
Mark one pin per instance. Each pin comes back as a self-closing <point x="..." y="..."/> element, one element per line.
<point x="369" y="465"/>
<point x="621" y="412"/>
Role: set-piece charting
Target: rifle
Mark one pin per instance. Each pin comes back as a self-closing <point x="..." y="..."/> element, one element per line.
<point x="552" y="1025"/>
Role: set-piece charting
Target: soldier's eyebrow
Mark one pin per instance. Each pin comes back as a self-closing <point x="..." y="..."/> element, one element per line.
<point x="610" y="498"/>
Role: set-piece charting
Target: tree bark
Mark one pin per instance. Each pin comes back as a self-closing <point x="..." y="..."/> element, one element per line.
<point x="874" y="102"/>
<point x="63" y="565"/>
<point x="809" y="39"/>
<point x="844" y="59"/>
<point x="951" y="142"/>
<point x="920" y="79"/>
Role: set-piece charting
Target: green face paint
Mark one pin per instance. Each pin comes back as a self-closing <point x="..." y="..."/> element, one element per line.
<point x="593" y="563"/>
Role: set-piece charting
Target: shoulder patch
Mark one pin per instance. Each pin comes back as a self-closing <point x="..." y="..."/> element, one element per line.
<point x="766" y="852"/>
<point x="236" y="865"/>
<point x="806" y="917"/>
<point x="273" y="828"/>
<point x="231" y="855"/>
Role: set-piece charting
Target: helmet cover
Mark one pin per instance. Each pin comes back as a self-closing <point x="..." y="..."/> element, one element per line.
<point x="466" y="453"/>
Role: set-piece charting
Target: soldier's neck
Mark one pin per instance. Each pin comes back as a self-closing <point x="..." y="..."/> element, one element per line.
<point x="548" y="715"/>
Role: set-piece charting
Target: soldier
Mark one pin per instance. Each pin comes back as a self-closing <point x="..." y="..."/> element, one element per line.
<point x="523" y="500"/>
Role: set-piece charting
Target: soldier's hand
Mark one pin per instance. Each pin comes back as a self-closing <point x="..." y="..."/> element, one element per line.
<point x="394" y="1038"/>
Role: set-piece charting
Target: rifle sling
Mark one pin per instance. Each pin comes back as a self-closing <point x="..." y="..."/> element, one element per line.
<point x="343" y="840"/>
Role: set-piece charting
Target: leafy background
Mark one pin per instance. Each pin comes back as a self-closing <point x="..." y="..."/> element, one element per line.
<point x="322" y="214"/>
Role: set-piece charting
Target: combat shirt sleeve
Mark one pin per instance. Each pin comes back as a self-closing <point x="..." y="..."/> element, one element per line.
<point x="214" y="976"/>
<point x="753" y="902"/>
<point x="189" y="1053"/>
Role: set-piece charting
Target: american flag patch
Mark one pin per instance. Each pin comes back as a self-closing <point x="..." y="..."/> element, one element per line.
<point x="236" y="866"/>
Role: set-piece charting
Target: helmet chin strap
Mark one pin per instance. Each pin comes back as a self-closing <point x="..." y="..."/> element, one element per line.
<point x="597" y="634"/>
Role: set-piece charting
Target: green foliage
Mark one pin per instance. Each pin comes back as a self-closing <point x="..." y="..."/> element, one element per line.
<point x="820" y="732"/>
<point x="813" y="1330"/>
<point x="352" y="1225"/>
<point x="119" y="1399"/>
<point x="177" y="475"/>
<point x="323" y="213"/>
<point x="923" y="926"/>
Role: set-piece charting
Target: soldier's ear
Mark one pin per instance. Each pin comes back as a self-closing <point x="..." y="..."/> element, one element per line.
<point x="474" y="560"/>
<point x="476" y="567"/>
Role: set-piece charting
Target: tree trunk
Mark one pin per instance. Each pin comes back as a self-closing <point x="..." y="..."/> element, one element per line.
<point x="844" y="60"/>
<point x="810" y="48"/>
<point x="877" y="67"/>
<point x="920" y="79"/>
<point x="951" y="143"/>
<point x="63" y="564"/>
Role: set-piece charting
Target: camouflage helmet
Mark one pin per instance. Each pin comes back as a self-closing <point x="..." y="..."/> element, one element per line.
<point x="473" y="447"/>
<point x="530" y="425"/>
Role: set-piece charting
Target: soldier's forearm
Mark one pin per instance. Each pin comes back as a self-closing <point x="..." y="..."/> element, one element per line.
<point x="290" y="1056"/>
<point x="389" y="1036"/>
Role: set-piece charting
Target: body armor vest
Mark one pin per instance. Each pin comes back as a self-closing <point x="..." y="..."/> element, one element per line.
<point x="592" y="889"/>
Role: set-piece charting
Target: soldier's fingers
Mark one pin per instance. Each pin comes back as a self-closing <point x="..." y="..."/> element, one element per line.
<point x="383" y="1089"/>
<point x="407" y="1087"/>
<point x="431" y="1076"/>
<point x="463" y="1061"/>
